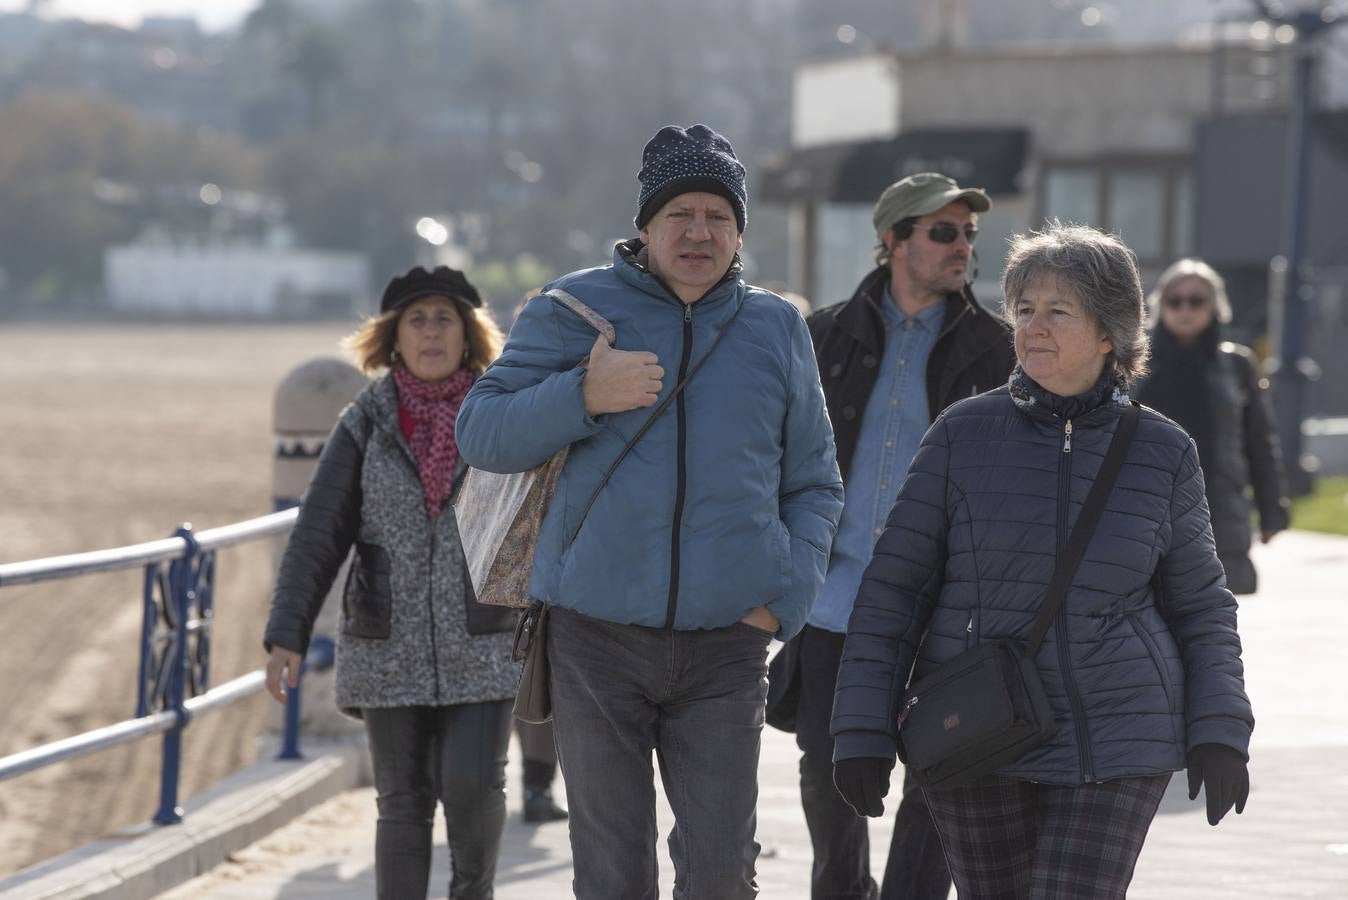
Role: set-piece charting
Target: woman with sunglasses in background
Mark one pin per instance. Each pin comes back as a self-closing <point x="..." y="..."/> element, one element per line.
<point x="1214" y="390"/>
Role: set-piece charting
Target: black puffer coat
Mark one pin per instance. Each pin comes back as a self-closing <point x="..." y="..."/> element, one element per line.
<point x="1143" y="661"/>
<point x="1237" y="445"/>
<point x="412" y="633"/>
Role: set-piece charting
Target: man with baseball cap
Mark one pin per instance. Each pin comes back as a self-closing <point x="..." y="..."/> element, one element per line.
<point x="710" y="538"/>
<point x="909" y="342"/>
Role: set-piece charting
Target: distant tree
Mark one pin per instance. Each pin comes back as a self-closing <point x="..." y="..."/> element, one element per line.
<point x="316" y="62"/>
<point x="78" y="174"/>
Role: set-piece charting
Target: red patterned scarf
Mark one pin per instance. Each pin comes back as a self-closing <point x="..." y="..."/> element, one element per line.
<point x="434" y="406"/>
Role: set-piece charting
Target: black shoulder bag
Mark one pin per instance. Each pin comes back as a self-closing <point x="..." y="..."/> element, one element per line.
<point x="986" y="708"/>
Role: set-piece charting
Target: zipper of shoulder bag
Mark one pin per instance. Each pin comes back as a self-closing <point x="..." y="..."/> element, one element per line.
<point x="681" y="478"/>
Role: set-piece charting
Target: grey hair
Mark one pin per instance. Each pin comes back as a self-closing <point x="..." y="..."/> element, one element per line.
<point x="1100" y="269"/>
<point x="1191" y="268"/>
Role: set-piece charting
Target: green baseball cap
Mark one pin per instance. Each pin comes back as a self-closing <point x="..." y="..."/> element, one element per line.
<point x="920" y="194"/>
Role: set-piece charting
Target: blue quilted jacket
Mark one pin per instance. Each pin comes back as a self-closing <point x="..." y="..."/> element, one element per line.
<point x="728" y="502"/>
<point x="1143" y="660"/>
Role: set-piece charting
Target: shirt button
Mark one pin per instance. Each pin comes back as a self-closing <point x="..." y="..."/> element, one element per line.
<point x="903" y="362"/>
<point x="849" y="413"/>
<point x="889" y="443"/>
<point x="879" y="531"/>
<point x="885" y="486"/>
<point x="868" y="361"/>
<point x="893" y="403"/>
<point x="835" y="370"/>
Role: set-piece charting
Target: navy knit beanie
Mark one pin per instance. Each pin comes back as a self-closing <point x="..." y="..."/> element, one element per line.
<point x="676" y="162"/>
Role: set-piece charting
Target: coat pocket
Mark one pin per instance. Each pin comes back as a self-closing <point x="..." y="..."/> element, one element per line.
<point x="367" y="601"/>
<point x="1154" y="652"/>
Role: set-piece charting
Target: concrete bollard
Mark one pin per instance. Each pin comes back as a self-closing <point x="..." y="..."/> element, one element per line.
<point x="307" y="403"/>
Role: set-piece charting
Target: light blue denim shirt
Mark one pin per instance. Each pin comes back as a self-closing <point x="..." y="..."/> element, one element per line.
<point x="892" y="426"/>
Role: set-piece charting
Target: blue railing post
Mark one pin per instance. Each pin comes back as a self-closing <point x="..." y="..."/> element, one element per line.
<point x="180" y="602"/>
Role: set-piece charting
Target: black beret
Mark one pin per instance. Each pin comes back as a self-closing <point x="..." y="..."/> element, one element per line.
<point x="442" y="281"/>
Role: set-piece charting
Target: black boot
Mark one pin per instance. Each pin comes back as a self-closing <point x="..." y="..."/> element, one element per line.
<point x="539" y="807"/>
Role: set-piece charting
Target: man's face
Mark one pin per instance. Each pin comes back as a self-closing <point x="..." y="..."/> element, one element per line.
<point x="926" y="265"/>
<point x="691" y="242"/>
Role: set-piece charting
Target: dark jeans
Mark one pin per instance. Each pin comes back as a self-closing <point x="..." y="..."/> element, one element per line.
<point x="916" y="869"/>
<point x="695" y="699"/>
<point x="456" y="754"/>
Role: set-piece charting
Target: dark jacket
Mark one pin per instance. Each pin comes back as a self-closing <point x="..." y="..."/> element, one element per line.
<point x="1238" y="447"/>
<point x="412" y="633"/>
<point x="972" y="354"/>
<point x="1143" y="660"/>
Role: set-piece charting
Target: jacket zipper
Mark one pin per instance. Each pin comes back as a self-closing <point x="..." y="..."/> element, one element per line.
<point x="673" y="604"/>
<point x="1060" y="625"/>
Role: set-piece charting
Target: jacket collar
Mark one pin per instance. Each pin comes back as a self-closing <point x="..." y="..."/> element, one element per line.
<point x="862" y="319"/>
<point x="629" y="262"/>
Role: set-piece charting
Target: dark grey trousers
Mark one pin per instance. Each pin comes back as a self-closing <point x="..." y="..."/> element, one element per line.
<point x="454" y="754"/>
<point x="694" y="699"/>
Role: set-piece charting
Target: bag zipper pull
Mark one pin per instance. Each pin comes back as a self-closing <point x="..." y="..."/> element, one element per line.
<point x="1067" y="438"/>
<point x="907" y="708"/>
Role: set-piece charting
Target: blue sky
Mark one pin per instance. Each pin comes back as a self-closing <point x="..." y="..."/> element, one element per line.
<point x="212" y="14"/>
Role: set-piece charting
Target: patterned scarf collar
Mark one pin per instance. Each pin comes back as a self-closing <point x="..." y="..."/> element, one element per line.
<point x="1031" y="397"/>
<point x="434" y="406"/>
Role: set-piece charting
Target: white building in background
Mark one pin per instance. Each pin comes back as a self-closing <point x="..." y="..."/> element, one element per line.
<point x="234" y="278"/>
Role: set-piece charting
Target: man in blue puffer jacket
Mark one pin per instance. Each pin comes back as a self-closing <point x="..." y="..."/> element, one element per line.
<point x="710" y="539"/>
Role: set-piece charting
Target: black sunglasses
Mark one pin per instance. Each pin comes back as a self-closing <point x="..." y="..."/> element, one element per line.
<point x="946" y="233"/>
<point x="1178" y="301"/>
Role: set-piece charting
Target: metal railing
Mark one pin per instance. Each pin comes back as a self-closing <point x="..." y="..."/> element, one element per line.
<point x="175" y="647"/>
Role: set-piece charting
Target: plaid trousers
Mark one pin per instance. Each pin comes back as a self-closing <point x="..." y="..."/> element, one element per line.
<point x="1021" y="840"/>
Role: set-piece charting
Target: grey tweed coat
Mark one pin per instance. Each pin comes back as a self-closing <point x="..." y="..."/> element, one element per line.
<point x="411" y="633"/>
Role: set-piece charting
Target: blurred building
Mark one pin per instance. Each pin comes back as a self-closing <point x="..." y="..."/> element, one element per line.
<point x="1179" y="147"/>
<point x="234" y="278"/>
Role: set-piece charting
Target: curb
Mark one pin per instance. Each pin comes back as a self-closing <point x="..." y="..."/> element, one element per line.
<point x="146" y="860"/>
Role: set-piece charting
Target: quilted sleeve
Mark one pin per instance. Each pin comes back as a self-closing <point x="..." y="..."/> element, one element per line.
<point x="1202" y="616"/>
<point x="811" y="488"/>
<point x="328" y="521"/>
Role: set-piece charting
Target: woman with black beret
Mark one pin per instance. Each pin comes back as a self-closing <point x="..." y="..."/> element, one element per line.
<point x="424" y="665"/>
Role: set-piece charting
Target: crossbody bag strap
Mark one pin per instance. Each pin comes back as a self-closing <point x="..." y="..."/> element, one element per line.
<point x="1066" y="569"/>
<point x="664" y="404"/>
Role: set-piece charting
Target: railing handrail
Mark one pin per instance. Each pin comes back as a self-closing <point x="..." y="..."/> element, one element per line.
<point x="173" y="681"/>
<point x="51" y="568"/>
<point x="90" y="742"/>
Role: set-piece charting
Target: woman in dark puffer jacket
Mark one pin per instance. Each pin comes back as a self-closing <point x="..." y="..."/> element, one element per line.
<point x="1142" y="665"/>
<point x="418" y="659"/>
<point x="1213" y="389"/>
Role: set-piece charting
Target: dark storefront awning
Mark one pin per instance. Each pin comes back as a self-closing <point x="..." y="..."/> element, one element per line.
<point x="990" y="158"/>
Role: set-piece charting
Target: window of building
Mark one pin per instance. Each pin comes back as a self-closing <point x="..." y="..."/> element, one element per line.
<point x="1149" y="202"/>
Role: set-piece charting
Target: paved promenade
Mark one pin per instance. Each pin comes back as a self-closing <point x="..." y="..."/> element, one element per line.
<point x="1292" y="840"/>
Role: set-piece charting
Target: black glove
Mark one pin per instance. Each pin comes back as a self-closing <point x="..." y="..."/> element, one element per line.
<point x="1225" y="777"/>
<point x="863" y="783"/>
